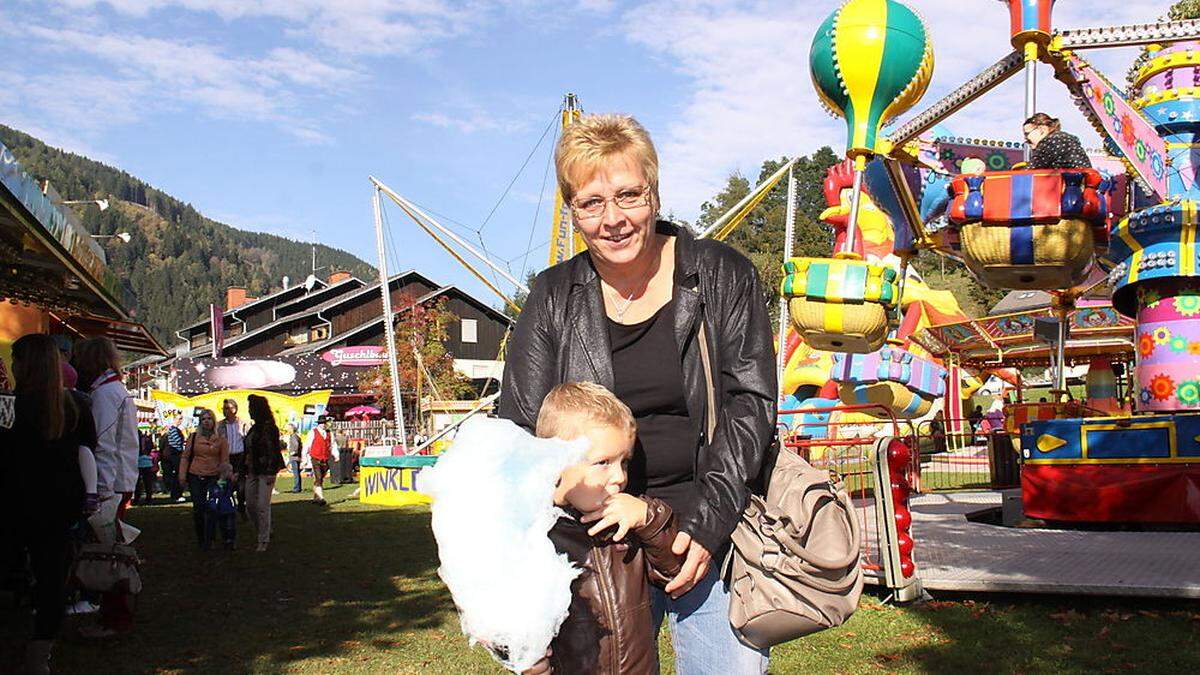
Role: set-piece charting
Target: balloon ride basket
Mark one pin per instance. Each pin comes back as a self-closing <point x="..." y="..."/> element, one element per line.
<point x="840" y="304"/>
<point x="1030" y="230"/>
<point x="1058" y="255"/>
<point x="897" y="383"/>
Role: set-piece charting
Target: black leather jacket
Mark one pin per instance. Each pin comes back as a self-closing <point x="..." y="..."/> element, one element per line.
<point x="561" y="337"/>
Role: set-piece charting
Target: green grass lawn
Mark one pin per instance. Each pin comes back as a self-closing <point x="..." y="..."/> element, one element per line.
<point x="353" y="589"/>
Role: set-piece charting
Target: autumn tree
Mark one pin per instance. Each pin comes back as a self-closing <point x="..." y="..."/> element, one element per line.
<point x="422" y="330"/>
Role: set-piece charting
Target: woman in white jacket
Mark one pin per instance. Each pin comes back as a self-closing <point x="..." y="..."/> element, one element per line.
<point x="115" y="414"/>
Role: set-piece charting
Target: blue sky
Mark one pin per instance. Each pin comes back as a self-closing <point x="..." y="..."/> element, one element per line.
<point x="270" y="114"/>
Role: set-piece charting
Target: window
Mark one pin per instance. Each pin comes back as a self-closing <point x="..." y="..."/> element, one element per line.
<point x="470" y="331"/>
<point x="297" y="336"/>
<point x="320" y="332"/>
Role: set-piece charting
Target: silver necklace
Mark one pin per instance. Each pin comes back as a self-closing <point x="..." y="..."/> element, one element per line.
<point x="621" y="309"/>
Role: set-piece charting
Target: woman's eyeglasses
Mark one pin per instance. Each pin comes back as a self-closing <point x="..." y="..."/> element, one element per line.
<point x="629" y="198"/>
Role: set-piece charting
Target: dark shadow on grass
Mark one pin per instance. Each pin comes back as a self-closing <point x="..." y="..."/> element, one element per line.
<point x="335" y="581"/>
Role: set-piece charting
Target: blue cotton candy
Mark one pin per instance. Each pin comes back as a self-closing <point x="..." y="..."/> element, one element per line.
<point x="493" y="505"/>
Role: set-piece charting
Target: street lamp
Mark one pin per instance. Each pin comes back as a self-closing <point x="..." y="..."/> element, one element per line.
<point x="123" y="236"/>
<point x="102" y="203"/>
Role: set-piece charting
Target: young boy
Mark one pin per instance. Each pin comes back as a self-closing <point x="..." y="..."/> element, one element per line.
<point x="620" y="541"/>
<point x="220" y="509"/>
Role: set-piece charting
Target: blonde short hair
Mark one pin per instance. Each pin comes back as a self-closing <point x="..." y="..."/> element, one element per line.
<point x="569" y="407"/>
<point x="594" y="140"/>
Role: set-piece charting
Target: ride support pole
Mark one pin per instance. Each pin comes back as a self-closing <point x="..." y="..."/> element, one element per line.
<point x="789" y="232"/>
<point x="860" y="166"/>
<point x="1031" y="60"/>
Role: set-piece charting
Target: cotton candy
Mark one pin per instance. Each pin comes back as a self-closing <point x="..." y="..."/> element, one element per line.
<point x="493" y="506"/>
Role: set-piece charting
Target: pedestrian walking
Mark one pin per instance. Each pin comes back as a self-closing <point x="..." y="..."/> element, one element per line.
<point x="170" y="449"/>
<point x="295" y="449"/>
<point x="230" y="428"/>
<point x="203" y="457"/>
<point x="264" y="461"/>
<point x="320" y="448"/>
<point x="147" y="473"/>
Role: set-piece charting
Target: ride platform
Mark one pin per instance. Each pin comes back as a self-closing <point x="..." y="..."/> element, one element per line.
<point x="954" y="553"/>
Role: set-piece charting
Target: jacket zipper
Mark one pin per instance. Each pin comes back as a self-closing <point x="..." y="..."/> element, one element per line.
<point x="608" y="601"/>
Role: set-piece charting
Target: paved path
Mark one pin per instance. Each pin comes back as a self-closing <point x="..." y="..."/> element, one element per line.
<point x="953" y="553"/>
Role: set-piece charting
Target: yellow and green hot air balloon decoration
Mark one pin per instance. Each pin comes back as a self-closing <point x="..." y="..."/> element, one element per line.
<point x="871" y="60"/>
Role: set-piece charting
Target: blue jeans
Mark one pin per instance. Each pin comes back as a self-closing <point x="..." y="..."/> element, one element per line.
<point x="701" y="636"/>
<point x="294" y="465"/>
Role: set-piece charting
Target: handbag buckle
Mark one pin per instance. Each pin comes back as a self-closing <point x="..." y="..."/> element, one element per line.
<point x="770" y="562"/>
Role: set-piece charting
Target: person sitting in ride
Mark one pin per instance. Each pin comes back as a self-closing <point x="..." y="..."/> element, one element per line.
<point x="1053" y="148"/>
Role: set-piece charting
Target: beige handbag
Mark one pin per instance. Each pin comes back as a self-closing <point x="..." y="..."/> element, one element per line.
<point x="794" y="567"/>
<point x="103" y="567"/>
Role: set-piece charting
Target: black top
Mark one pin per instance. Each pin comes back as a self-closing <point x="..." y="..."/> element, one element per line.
<point x="40" y="483"/>
<point x="1059" y="150"/>
<point x="648" y="377"/>
<point x="264" y="456"/>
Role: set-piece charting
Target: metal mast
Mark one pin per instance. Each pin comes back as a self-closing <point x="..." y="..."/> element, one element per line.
<point x="564" y="242"/>
<point x="388" y="330"/>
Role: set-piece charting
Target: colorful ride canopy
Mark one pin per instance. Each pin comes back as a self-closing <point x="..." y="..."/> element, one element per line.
<point x="871" y="60"/>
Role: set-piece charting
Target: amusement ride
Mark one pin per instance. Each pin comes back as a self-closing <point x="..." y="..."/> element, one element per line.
<point x="863" y="338"/>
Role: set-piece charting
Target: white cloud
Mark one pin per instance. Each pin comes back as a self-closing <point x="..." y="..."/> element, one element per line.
<point x="751" y="97"/>
<point x="359" y="27"/>
<point x="470" y="121"/>
<point x="146" y="74"/>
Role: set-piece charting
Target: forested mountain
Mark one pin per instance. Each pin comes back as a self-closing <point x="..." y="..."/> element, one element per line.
<point x="178" y="261"/>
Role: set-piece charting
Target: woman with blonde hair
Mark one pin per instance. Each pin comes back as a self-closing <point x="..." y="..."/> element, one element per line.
<point x="42" y="490"/>
<point x="642" y="311"/>
<point x="204" y="454"/>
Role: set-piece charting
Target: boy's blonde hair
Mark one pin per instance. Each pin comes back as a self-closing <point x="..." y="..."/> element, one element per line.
<point x="570" y="406"/>
<point x="593" y="140"/>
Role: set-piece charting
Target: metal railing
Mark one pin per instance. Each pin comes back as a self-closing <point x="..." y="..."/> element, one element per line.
<point x="848" y="451"/>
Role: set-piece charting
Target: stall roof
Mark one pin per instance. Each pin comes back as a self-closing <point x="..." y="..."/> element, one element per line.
<point x="1096" y="329"/>
<point x="127" y="335"/>
<point x="49" y="260"/>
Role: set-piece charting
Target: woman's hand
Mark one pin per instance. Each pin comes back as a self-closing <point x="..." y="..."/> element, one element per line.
<point x="695" y="565"/>
<point x="623" y="510"/>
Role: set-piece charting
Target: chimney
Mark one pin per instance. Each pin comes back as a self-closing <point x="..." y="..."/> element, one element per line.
<point x="235" y="297"/>
<point x="338" y="277"/>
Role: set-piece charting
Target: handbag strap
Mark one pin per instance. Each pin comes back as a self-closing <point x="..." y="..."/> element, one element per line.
<point x="710" y="389"/>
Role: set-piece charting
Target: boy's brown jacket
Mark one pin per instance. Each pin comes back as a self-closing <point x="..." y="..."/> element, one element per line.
<point x="608" y="628"/>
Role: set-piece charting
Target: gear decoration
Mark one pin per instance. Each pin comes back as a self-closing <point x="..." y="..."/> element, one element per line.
<point x="1162" y="335"/>
<point x="1162" y="387"/>
<point x="1188" y="392"/>
<point x="1145" y="345"/>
